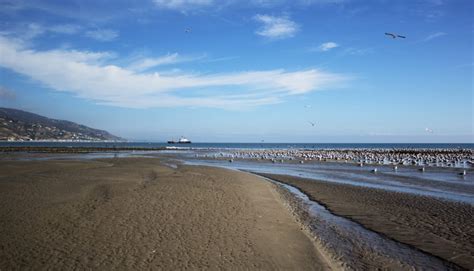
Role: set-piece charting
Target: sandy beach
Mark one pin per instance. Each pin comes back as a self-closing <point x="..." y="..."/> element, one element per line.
<point x="150" y="213"/>
<point x="441" y="228"/>
<point x="135" y="213"/>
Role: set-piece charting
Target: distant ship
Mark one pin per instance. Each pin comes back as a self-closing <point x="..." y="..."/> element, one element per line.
<point x="182" y="140"/>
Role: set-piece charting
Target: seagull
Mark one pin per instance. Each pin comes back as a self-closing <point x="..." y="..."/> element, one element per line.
<point x="394" y="36"/>
<point x="187" y="30"/>
<point x="429" y="130"/>
<point x="312" y="123"/>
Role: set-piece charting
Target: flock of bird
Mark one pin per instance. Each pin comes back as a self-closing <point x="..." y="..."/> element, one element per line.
<point x="444" y="157"/>
<point x="459" y="158"/>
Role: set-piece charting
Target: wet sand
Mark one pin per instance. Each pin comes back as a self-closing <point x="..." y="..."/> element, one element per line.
<point x="441" y="228"/>
<point x="136" y="213"/>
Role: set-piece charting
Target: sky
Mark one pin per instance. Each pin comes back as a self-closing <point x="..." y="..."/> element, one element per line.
<point x="245" y="71"/>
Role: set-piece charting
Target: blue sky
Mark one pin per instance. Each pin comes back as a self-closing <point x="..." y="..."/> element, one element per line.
<point x="244" y="71"/>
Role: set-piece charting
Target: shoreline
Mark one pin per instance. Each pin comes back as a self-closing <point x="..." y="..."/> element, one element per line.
<point x="90" y="189"/>
<point x="72" y="149"/>
<point x="440" y="228"/>
<point x="415" y="158"/>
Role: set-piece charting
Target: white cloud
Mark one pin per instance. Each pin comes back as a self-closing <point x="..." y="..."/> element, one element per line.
<point x="33" y="30"/>
<point x="182" y="5"/>
<point x="321" y="2"/>
<point x="431" y="15"/>
<point x="266" y="3"/>
<point x="65" y="28"/>
<point x="27" y="31"/>
<point x="85" y="75"/>
<point x="357" y="51"/>
<point x="143" y="64"/>
<point x="276" y="27"/>
<point x="435" y="2"/>
<point x="103" y="11"/>
<point x="102" y="34"/>
<point x="327" y="46"/>
<point x="434" y="36"/>
<point x="287" y="3"/>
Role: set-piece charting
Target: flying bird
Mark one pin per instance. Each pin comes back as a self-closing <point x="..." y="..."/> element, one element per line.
<point x="188" y="30"/>
<point x="312" y="123"/>
<point x="429" y="130"/>
<point x="394" y="36"/>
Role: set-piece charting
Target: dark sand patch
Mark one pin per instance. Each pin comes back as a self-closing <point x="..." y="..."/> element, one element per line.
<point x="441" y="228"/>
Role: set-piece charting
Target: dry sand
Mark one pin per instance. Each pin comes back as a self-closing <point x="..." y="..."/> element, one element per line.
<point x="135" y="213"/>
<point x="441" y="228"/>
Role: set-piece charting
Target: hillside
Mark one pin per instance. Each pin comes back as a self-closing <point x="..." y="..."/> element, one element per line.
<point x="21" y="125"/>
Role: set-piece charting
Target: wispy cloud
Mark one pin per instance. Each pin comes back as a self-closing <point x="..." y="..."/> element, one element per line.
<point x="183" y="5"/>
<point x="220" y="59"/>
<point x="435" y="2"/>
<point x="85" y="75"/>
<point x="104" y="11"/>
<point x="6" y="93"/>
<point x="33" y="30"/>
<point x="65" y="28"/>
<point x="434" y="36"/>
<point x="88" y="11"/>
<point x="324" y="47"/>
<point x="266" y="3"/>
<point x="357" y="51"/>
<point x="28" y="31"/>
<point x="433" y="15"/>
<point x="143" y="64"/>
<point x="190" y="5"/>
<point x="321" y="2"/>
<point x="276" y="27"/>
<point x="273" y="3"/>
<point x="102" y="34"/>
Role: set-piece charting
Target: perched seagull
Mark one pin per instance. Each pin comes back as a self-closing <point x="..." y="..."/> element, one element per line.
<point x="312" y="123"/>
<point x="429" y="130"/>
<point x="187" y="30"/>
<point x="394" y="36"/>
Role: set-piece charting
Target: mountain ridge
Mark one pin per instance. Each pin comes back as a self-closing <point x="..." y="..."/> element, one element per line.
<point x="19" y="125"/>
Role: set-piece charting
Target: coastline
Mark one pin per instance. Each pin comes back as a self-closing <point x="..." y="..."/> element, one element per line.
<point x="441" y="228"/>
<point x="122" y="196"/>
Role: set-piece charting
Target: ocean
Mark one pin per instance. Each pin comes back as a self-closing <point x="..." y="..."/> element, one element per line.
<point x="153" y="145"/>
